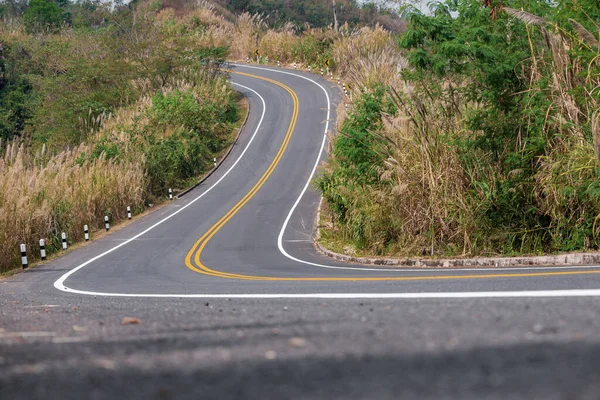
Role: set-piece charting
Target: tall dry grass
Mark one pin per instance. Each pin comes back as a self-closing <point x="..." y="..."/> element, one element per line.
<point x="566" y="180"/>
<point x="368" y="56"/>
<point x="42" y="196"/>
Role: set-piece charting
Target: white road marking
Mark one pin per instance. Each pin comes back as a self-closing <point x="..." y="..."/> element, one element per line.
<point x="27" y="334"/>
<point x="43" y="306"/>
<point x="424" y="295"/>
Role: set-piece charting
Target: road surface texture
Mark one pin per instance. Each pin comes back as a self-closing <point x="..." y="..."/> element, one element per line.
<point x="227" y="297"/>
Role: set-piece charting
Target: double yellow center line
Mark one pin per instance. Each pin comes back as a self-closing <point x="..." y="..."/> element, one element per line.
<point x="193" y="261"/>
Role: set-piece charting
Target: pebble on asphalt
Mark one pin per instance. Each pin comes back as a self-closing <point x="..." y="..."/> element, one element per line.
<point x="130" y="321"/>
<point x="297" y="342"/>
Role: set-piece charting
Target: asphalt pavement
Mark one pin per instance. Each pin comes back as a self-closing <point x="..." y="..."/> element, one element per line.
<point x="230" y="299"/>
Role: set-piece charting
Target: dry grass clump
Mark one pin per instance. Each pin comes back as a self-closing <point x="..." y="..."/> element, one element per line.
<point x="279" y="45"/>
<point x="368" y="56"/>
<point x="246" y="37"/>
<point x="566" y="182"/>
<point x="42" y="196"/>
<point x="427" y="185"/>
<point x="209" y="28"/>
<point x="423" y="203"/>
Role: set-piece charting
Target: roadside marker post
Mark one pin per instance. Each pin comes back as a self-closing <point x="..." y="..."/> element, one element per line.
<point x="309" y="68"/>
<point x="64" y="241"/>
<point x="24" y="256"/>
<point x="106" y="224"/>
<point x="128" y="212"/>
<point x="321" y="71"/>
<point x="294" y="65"/>
<point x="42" y="249"/>
<point x="170" y="194"/>
<point x="215" y="161"/>
<point x="278" y="64"/>
<point x="86" y="233"/>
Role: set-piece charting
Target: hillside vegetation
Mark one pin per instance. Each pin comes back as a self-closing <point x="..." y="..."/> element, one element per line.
<point x="102" y="109"/>
<point x="486" y="142"/>
<point x="106" y="107"/>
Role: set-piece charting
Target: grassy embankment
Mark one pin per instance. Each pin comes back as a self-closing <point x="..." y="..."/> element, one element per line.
<point x="486" y="143"/>
<point x="111" y="117"/>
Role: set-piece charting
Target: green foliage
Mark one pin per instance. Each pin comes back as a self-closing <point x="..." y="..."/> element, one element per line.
<point x="171" y="161"/>
<point x="15" y="111"/>
<point x="105" y="149"/>
<point x="358" y="156"/>
<point x="43" y="15"/>
<point x="461" y="42"/>
<point x="357" y="150"/>
<point x="202" y="130"/>
<point x="514" y="98"/>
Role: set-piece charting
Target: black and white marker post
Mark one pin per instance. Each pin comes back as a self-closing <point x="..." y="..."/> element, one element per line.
<point x="64" y="241"/>
<point x="215" y="162"/>
<point x="294" y="65"/>
<point x="106" y="224"/>
<point x="170" y="194"/>
<point x="42" y="249"/>
<point x="86" y="233"/>
<point x="24" y="256"/>
<point x="128" y="212"/>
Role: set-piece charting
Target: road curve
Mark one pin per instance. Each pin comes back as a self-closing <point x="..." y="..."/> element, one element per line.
<point x="247" y="231"/>
<point x="276" y="319"/>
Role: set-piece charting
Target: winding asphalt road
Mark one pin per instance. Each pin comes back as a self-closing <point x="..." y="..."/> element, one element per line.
<point x="235" y="302"/>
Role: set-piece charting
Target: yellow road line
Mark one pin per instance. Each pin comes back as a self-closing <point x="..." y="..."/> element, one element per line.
<point x="196" y="250"/>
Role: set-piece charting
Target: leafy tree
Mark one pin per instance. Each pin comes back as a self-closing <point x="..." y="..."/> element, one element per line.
<point x="43" y="15"/>
<point x="15" y="97"/>
<point x="14" y="108"/>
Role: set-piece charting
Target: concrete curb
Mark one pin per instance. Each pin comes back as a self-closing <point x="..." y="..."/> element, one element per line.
<point x="209" y="173"/>
<point x="480" y="262"/>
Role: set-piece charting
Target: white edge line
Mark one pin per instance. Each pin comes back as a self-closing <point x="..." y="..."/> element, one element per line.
<point x="59" y="284"/>
<point x="424" y="295"/>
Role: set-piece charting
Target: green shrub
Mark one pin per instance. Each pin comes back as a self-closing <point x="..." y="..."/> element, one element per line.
<point x="42" y="15"/>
